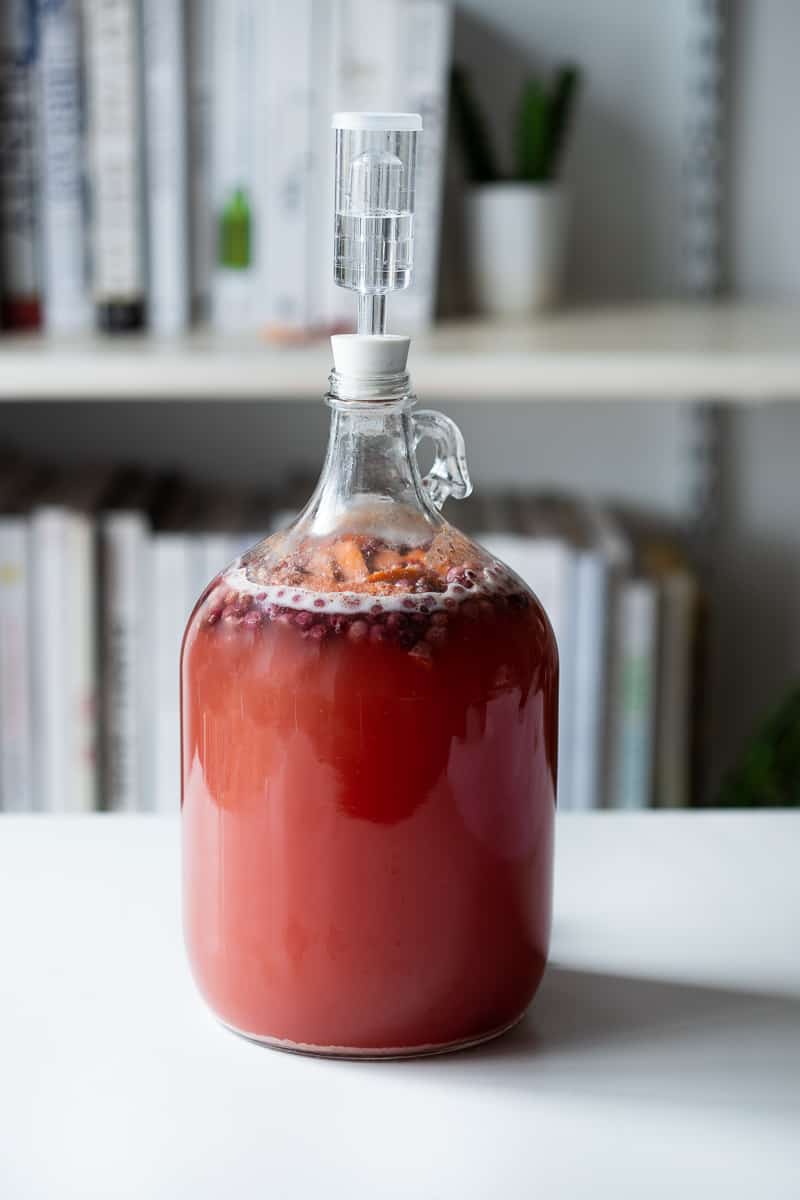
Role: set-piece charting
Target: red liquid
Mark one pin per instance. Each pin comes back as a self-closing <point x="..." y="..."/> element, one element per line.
<point x="368" y="834"/>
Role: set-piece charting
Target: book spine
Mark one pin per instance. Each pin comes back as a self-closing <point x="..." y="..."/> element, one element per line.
<point x="19" y="176"/>
<point x="638" y="618"/>
<point x="66" y="306"/>
<point x="113" y="61"/>
<point x="213" y="552"/>
<point x="326" y="20"/>
<point x="359" y="80"/>
<point x="167" y="165"/>
<point x="171" y="579"/>
<point x="284" y="167"/>
<point x="199" y="15"/>
<point x="82" y="666"/>
<point x="591" y="596"/>
<point x="16" y="763"/>
<point x="124" y="638"/>
<point x="237" y="26"/>
<point x="672" y="773"/>
<point x="49" y="632"/>
<point x="547" y="566"/>
<point x="421" y="58"/>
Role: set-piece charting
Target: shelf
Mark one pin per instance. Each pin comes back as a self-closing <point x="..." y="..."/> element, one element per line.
<point x="730" y="352"/>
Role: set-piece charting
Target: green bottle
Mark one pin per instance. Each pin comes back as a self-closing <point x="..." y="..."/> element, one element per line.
<point x="234" y="232"/>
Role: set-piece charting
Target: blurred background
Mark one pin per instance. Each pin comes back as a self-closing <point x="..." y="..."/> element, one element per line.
<point x="606" y="279"/>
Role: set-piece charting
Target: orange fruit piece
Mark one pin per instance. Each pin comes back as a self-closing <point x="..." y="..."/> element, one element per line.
<point x="386" y="560"/>
<point x="350" y="560"/>
<point x="409" y="574"/>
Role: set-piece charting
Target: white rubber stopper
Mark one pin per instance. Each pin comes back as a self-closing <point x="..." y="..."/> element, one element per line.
<point x="364" y="355"/>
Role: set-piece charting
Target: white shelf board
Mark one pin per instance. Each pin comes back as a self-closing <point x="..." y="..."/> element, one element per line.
<point x="730" y="352"/>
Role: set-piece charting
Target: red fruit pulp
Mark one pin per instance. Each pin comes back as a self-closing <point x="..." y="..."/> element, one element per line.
<point x="368" y="820"/>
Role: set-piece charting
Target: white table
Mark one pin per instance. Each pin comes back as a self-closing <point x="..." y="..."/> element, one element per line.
<point x="660" y="1059"/>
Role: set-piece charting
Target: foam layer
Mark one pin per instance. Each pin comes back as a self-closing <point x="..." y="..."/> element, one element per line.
<point x="486" y="581"/>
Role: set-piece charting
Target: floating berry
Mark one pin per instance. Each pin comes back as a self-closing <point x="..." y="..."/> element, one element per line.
<point x="464" y="577"/>
<point x="422" y="653"/>
<point x="303" y="619"/>
<point x="317" y="632"/>
<point x="440" y="618"/>
<point x="253" y="618"/>
<point x="358" y="631"/>
<point x="436" y="635"/>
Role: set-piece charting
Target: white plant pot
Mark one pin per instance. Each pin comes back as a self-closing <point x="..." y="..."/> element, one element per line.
<point x="516" y="235"/>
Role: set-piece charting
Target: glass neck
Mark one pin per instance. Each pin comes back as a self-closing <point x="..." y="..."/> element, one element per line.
<point x="370" y="482"/>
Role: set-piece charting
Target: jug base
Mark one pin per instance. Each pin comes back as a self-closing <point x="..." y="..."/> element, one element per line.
<point x="373" y="1053"/>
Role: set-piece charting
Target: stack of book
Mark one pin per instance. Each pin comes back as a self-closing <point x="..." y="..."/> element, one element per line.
<point x="99" y="570"/>
<point x="200" y="132"/>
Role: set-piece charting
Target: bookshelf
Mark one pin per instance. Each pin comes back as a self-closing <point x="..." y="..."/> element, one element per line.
<point x="670" y="351"/>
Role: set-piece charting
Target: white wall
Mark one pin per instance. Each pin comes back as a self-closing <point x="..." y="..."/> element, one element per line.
<point x="764" y="171"/>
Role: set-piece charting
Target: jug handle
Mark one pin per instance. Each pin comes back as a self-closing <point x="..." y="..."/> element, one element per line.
<point x="449" y="475"/>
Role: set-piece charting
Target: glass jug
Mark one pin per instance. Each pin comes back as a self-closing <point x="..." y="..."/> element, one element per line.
<point x="369" y="755"/>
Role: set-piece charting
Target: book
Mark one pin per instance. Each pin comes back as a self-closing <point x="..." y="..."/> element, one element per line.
<point x="18" y="483"/>
<point x="678" y="603"/>
<point x="321" y="288"/>
<point x="663" y="561"/>
<point x="421" y="59"/>
<point x="199" y="18"/>
<point x="239" y="40"/>
<point x="64" y="641"/>
<point x="609" y="535"/>
<point x="172" y="579"/>
<point x="51" y="689"/>
<point x="127" y="658"/>
<point x="116" y="161"/>
<point x="16" y="760"/>
<point x="637" y="634"/>
<point x="550" y="568"/>
<point x="19" y="165"/>
<point x="283" y="196"/>
<point x="165" y="94"/>
<point x="223" y="513"/>
<point x="361" y="76"/>
<point x="63" y="215"/>
<point x="547" y="566"/>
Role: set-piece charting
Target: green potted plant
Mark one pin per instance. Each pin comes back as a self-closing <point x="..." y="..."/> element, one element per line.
<point x="516" y="225"/>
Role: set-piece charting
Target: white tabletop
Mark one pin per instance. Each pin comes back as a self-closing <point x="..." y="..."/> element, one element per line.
<point x="660" y="1059"/>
